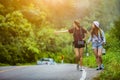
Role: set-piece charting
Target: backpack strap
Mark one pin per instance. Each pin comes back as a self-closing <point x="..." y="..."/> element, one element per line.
<point x="101" y="34"/>
<point x="81" y="32"/>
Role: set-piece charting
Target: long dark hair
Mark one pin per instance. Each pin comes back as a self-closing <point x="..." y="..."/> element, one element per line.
<point x="95" y="31"/>
<point x="77" y="23"/>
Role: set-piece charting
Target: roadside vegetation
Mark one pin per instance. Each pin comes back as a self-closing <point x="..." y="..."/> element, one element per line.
<point x="27" y="32"/>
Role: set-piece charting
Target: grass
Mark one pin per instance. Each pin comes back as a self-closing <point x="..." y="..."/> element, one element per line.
<point x="26" y="64"/>
<point x="18" y="64"/>
<point x="2" y="64"/>
<point x="111" y="61"/>
<point x="112" y="64"/>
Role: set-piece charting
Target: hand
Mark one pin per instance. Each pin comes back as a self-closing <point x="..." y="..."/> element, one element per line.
<point x="83" y="39"/>
<point x="103" y="43"/>
<point x="63" y="31"/>
<point x="88" y="42"/>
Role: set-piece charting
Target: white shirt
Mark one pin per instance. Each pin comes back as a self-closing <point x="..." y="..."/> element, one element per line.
<point x="97" y="38"/>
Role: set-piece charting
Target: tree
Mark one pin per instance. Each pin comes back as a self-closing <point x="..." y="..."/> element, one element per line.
<point x="17" y="39"/>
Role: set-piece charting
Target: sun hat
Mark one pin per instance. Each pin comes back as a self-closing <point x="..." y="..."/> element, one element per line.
<point x="96" y="23"/>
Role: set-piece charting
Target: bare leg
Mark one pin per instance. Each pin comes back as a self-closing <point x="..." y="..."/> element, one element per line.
<point x="76" y="55"/>
<point x="100" y="56"/>
<point x="96" y="55"/>
<point x="81" y="56"/>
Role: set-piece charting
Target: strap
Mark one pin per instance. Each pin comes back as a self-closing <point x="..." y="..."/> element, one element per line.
<point x="86" y="48"/>
<point x="100" y="35"/>
<point x="81" y="33"/>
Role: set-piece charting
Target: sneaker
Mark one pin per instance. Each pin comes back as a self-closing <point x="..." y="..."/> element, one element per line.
<point x="98" y="68"/>
<point x="102" y="67"/>
<point x="81" y="69"/>
<point x="77" y="66"/>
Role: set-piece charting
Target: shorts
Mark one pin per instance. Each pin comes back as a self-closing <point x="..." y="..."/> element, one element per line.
<point x="76" y="45"/>
<point x="97" y="45"/>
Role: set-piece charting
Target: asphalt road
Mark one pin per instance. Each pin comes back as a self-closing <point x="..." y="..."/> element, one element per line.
<point x="46" y="72"/>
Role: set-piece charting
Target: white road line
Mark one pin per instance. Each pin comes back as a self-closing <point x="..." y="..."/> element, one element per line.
<point x="83" y="75"/>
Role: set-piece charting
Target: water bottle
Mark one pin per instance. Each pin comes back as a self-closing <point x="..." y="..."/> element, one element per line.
<point x="87" y="54"/>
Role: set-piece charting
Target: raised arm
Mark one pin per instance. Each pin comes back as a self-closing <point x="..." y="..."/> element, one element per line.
<point x="61" y="31"/>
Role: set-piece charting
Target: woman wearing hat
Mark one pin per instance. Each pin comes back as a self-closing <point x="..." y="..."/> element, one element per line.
<point x="79" y="35"/>
<point x="97" y="38"/>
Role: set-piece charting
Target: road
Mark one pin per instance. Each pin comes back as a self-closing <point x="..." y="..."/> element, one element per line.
<point x="46" y="72"/>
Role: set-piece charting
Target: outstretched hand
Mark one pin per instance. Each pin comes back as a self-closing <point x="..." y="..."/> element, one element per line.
<point x="63" y="31"/>
<point x="87" y="42"/>
<point x="103" y="43"/>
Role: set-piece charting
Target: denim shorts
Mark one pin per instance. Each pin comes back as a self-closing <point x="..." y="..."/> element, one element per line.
<point x="97" y="45"/>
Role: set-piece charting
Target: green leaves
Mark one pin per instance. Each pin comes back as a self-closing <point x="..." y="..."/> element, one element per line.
<point x="27" y="27"/>
<point x="17" y="39"/>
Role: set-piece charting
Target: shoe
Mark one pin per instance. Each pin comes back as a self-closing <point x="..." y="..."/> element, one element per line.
<point x="81" y="69"/>
<point x="101" y="66"/>
<point x="77" y="66"/>
<point x="98" y="68"/>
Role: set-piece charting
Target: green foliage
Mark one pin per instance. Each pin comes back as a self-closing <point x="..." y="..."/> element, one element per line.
<point x="116" y="29"/>
<point x="89" y="61"/>
<point x="27" y="31"/>
<point x="54" y="44"/>
<point x="113" y="37"/>
<point x="103" y="11"/>
<point x="17" y="39"/>
<point x="112" y="70"/>
<point x="2" y="64"/>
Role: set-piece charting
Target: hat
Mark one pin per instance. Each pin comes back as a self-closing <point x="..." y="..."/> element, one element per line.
<point x="96" y="23"/>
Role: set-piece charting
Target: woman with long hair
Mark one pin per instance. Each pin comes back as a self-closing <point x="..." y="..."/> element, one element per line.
<point x="97" y="38"/>
<point x="79" y="35"/>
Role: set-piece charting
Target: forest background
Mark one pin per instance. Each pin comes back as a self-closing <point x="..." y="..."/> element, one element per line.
<point x="27" y="31"/>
